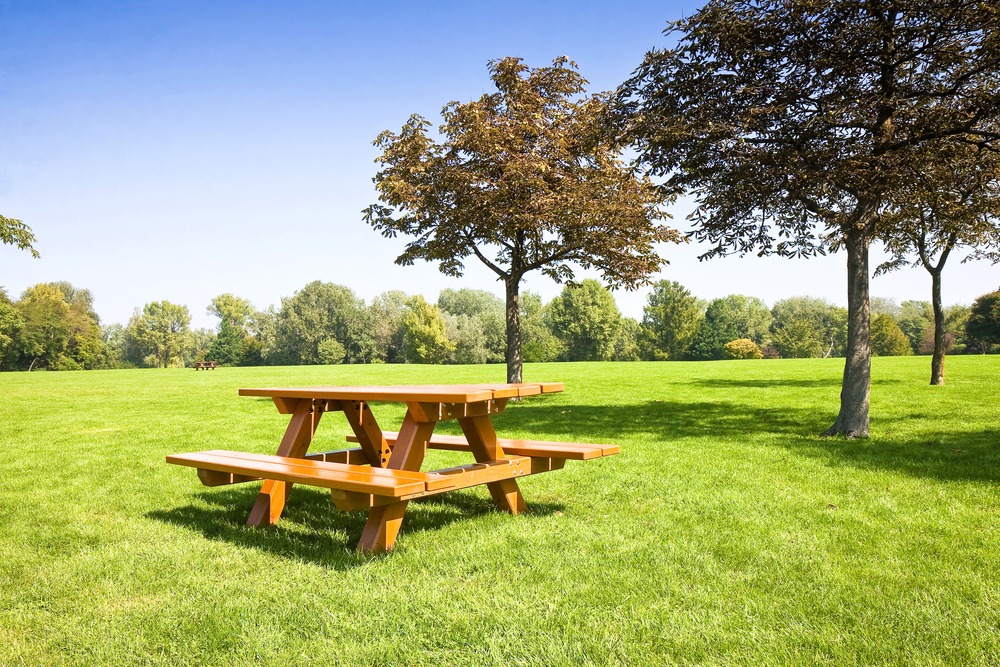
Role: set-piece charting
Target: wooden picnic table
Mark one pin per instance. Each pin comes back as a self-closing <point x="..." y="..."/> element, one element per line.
<point x="204" y="365"/>
<point x="383" y="473"/>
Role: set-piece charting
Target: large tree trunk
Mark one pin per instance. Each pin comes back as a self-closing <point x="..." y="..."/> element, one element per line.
<point x="937" y="361"/>
<point x="856" y="389"/>
<point x="514" y="361"/>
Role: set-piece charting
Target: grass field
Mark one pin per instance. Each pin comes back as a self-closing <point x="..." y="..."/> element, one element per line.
<point x="726" y="533"/>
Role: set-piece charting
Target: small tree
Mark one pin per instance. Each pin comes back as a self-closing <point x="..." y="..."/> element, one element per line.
<point x="670" y="320"/>
<point x="229" y="346"/>
<point x="730" y="318"/>
<point x="424" y="336"/>
<point x="540" y="344"/>
<point x="951" y="203"/>
<point x="585" y="318"/>
<point x="318" y="312"/>
<point x="525" y="179"/>
<point x="162" y="330"/>
<point x="827" y="321"/>
<point x="796" y="124"/>
<point x="888" y="340"/>
<point x="386" y="315"/>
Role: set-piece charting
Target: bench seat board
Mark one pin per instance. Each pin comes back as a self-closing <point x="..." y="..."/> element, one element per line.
<point x="540" y="448"/>
<point x="362" y="479"/>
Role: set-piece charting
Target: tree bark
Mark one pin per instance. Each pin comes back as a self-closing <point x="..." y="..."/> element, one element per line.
<point x="514" y="360"/>
<point x="937" y="361"/>
<point x="855" y="392"/>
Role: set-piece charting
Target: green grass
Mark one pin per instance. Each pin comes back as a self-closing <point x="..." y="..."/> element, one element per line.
<point x="726" y="533"/>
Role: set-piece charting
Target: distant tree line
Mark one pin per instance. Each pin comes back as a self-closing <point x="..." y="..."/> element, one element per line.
<point x="53" y="326"/>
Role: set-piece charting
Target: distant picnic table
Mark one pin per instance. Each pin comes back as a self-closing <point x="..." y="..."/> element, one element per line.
<point x="204" y="365"/>
<point x="383" y="473"/>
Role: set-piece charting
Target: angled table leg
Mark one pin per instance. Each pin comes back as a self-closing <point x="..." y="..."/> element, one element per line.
<point x="408" y="453"/>
<point x="270" y="501"/>
<point x="483" y="443"/>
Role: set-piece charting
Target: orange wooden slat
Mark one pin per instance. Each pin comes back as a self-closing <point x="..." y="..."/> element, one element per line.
<point x="542" y="448"/>
<point x="348" y="477"/>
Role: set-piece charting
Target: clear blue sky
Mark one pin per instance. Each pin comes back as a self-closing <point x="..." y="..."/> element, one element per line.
<point x="180" y="150"/>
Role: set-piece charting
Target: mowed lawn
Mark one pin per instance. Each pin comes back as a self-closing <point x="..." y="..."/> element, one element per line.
<point x="726" y="532"/>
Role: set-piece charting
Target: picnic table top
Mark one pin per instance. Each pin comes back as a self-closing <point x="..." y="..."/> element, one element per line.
<point x="436" y="393"/>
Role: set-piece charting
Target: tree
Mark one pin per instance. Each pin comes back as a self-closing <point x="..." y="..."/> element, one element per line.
<point x="539" y="343"/>
<point x="798" y="339"/>
<point x="524" y="179"/>
<point x="475" y="321"/>
<point x="670" y="320"/>
<point x="888" y="340"/>
<point x="627" y="342"/>
<point x="983" y="325"/>
<point x="730" y="318"/>
<point x="952" y="202"/>
<point x="796" y="124"/>
<point x="229" y="346"/>
<point x="386" y="315"/>
<point x="915" y="318"/>
<point x="584" y="316"/>
<point x="261" y="346"/>
<point x="16" y="233"/>
<point x="318" y="312"/>
<point x="161" y="329"/>
<point x="11" y="323"/>
<point x="46" y="327"/>
<point x="424" y="334"/>
<point x="804" y="324"/>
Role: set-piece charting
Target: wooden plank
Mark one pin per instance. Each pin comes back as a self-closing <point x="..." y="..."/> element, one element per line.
<point x="430" y="393"/>
<point x="465" y="476"/>
<point x="353" y="456"/>
<point x="402" y="393"/>
<point x="542" y="448"/>
<point x="361" y="479"/>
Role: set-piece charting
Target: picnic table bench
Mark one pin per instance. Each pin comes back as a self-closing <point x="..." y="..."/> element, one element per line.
<point x="383" y="473"/>
<point x="204" y="365"/>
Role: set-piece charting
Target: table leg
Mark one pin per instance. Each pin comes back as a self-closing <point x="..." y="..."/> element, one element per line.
<point x="384" y="521"/>
<point x="483" y="443"/>
<point x="270" y="501"/>
<point x="367" y="430"/>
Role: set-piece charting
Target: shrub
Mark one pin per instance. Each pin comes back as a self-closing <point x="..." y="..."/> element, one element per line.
<point x="742" y="348"/>
<point x="887" y="339"/>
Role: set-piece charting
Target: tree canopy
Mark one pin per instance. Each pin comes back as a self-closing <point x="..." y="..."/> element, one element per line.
<point x="795" y="124"/>
<point x="16" y="233"/>
<point x="526" y="178"/>
<point x="952" y="203"/>
<point x="670" y="320"/>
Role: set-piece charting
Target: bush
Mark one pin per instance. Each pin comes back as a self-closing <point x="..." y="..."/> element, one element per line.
<point x="743" y="348"/>
<point x="887" y="339"/>
<point x="331" y="351"/>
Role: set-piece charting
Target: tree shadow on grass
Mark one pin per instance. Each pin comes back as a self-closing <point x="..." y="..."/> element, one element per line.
<point x="959" y="456"/>
<point x="312" y="529"/>
<point x="734" y="383"/>
<point x="663" y="419"/>
<point x="965" y="456"/>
